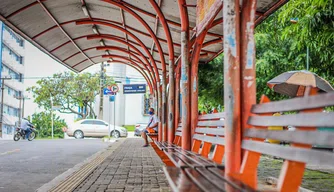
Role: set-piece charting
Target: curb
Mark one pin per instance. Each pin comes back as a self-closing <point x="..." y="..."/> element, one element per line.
<point x="71" y="178"/>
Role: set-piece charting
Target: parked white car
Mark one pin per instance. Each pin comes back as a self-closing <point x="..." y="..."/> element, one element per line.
<point x="94" y="128"/>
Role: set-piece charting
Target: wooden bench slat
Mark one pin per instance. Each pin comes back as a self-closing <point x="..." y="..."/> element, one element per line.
<point x="233" y="182"/>
<point x="325" y="138"/>
<point x="201" y="161"/>
<point x="212" y="131"/>
<point x="291" y="153"/>
<point x="219" y="123"/>
<point x="209" y="139"/>
<point x="298" y="120"/>
<point x="177" y="181"/>
<point x="178" y="160"/>
<point x="203" y="183"/>
<point x="212" y="116"/>
<point x="295" y="104"/>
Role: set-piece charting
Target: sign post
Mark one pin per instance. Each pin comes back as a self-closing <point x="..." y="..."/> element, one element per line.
<point x="112" y="90"/>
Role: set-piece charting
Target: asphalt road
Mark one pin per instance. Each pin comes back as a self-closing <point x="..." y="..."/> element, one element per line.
<point x="26" y="166"/>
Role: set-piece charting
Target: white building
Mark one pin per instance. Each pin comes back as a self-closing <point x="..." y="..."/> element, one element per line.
<point x="12" y="65"/>
<point x="130" y="108"/>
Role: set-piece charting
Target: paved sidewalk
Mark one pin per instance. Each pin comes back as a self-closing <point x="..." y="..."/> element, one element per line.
<point x="130" y="167"/>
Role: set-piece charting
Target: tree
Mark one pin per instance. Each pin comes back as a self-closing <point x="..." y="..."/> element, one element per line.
<point x="281" y="46"/>
<point x="69" y="91"/>
<point x="211" y="84"/>
<point x="42" y="122"/>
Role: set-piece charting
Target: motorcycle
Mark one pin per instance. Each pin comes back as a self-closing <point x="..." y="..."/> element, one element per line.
<point x="21" y="134"/>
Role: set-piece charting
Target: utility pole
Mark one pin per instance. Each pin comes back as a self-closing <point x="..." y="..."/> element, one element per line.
<point x="102" y="77"/>
<point x="51" y="115"/>
<point x="20" y="98"/>
<point x="2" y="98"/>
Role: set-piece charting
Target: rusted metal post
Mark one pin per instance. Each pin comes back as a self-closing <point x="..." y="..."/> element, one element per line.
<point x="231" y="17"/>
<point x="171" y="103"/>
<point x="185" y="79"/>
<point x="247" y="54"/>
<point x="248" y="79"/>
<point x="177" y="98"/>
<point x="160" y="132"/>
<point x="185" y="85"/>
<point x="194" y="81"/>
<point x="164" y="107"/>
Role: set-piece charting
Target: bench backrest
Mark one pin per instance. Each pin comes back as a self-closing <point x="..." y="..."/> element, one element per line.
<point x="306" y="115"/>
<point x="210" y="131"/>
<point x="178" y="135"/>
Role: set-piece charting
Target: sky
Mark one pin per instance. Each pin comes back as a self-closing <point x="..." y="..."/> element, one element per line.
<point x="39" y="65"/>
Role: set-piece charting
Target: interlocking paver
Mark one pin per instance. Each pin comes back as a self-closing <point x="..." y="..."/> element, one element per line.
<point x="129" y="168"/>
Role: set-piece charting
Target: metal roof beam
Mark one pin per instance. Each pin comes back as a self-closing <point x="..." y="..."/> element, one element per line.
<point x="62" y="29"/>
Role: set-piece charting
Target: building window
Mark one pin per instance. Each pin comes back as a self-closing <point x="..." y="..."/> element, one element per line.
<point x="14" y="55"/>
<point x="12" y="92"/>
<point x="11" y="111"/>
<point x="18" y="39"/>
<point x="17" y="76"/>
<point x="146" y="104"/>
<point x="8" y="129"/>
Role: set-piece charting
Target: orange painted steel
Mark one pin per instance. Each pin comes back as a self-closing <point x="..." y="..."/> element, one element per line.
<point x="162" y="95"/>
<point x="231" y="14"/>
<point x="194" y="81"/>
<point x="292" y="172"/>
<point x="251" y="159"/>
<point x="185" y="76"/>
<point x="247" y="55"/>
<point x="169" y="134"/>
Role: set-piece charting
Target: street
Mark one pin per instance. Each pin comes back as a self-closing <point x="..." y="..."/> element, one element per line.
<point x="26" y="166"/>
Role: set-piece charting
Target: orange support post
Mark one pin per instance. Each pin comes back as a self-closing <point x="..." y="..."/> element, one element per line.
<point x="194" y="81"/>
<point x="185" y="79"/>
<point x="177" y="98"/>
<point x="248" y="76"/>
<point x="231" y="17"/>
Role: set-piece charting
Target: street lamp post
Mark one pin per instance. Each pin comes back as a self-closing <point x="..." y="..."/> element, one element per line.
<point x="2" y="98"/>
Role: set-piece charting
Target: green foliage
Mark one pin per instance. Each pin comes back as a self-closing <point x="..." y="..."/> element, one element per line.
<point x="211" y="85"/>
<point x="42" y="122"/>
<point x="69" y="91"/>
<point x="281" y="46"/>
<point x="129" y="127"/>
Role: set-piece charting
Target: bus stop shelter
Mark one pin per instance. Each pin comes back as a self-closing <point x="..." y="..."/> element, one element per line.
<point x="165" y="41"/>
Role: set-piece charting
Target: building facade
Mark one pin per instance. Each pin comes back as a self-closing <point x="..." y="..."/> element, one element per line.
<point x="12" y="66"/>
<point x="130" y="108"/>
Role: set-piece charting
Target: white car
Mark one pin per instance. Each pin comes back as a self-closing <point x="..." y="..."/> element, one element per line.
<point x="94" y="128"/>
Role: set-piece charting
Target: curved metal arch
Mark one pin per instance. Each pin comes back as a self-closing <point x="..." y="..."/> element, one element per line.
<point x="108" y="56"/>
<point x="127" y="32"/>
<point x="115" y="38"/>
<point x="142" y="21"/>
<point x="110" y="48"/>
<point x="166" y="28"/>
<point x="134" y="67"/>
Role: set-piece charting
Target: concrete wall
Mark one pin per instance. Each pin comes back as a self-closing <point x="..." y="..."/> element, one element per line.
<point x="134" y="109"/>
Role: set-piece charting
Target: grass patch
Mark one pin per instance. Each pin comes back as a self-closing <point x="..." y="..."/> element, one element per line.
<point x="130" y="127"/>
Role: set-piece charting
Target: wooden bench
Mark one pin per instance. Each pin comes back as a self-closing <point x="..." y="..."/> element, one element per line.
<point x="304" y="113"/>
<point x="202" y="170"/>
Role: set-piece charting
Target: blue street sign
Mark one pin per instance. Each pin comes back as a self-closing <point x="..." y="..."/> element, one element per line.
<point x="106" y="91"/>
<point x="112" y="98"/>
<point x="134" y="88"/>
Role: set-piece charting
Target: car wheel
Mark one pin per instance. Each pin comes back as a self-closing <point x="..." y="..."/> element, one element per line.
<point x="115" y="134"/>
<point x="78" y="135"/>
